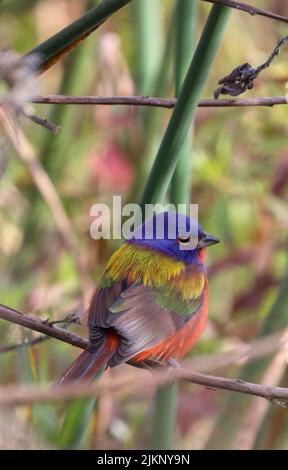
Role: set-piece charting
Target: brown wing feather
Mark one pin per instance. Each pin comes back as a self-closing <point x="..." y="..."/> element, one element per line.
<point x="142" y="323"/>
<point x="134" y="314"/>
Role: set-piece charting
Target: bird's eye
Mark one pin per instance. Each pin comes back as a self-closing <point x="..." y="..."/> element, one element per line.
<point x="184" y="239"/>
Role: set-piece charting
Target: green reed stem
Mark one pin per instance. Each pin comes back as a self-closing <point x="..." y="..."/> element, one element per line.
<point x="182" y="117"/>
<point x="164" y="420"/>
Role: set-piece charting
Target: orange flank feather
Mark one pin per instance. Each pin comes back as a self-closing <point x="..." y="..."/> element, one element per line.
<point x="182" y="341"/>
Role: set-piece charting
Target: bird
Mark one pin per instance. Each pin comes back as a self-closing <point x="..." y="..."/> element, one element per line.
<point x="151" y="304"/>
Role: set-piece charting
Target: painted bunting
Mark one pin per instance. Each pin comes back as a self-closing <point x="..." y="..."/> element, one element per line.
<point x="151" y="305"/>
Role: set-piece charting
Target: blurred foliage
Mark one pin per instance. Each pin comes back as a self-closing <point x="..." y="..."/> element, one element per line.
<point x="240" y="175"/>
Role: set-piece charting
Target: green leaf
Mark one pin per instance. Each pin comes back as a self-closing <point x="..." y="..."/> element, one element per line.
<point x="75" y="423"/>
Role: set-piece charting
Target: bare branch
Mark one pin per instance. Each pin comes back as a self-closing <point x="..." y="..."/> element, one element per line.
<point x="249" y="9"/>
<point x="244" y="352"/>
<point x="15" y="395"/>
<point x="50" y="126"/>
<point x="72" y="317"/>
<point x="156" y="102"/>
<point x="42" y="326"/>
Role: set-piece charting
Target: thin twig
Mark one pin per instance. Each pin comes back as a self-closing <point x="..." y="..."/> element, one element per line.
<point x="156" y="102"/>
<point x="249" y="9"/>
<point x="66" y="321"/>
<point x="41" y="122"/>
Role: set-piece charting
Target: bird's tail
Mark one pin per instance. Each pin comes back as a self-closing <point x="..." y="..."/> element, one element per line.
<point x="86" y="366"/>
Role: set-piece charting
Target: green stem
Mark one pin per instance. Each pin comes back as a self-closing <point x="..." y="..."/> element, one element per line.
<point x="151" y="66"/>
<point x="149" y="43"/>
<point x="165" y="402"/>
<point x="184" y="111"/>
<point x="164" y="423"/>
<point x="164" y="418"/>
<point x="65" y="39"/>
<point x="185" y="39"/>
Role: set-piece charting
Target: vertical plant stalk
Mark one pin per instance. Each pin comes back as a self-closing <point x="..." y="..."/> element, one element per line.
<point x="149" y="40"/>
<point x="185" y="39"/>
<point x="76" y="421"/>
<point x="151" y="59"/>
<point x="162" y="435"/>
<point x="184" y="111"/>
<point x="164" y="420"/>
<point x="165" y="163"/>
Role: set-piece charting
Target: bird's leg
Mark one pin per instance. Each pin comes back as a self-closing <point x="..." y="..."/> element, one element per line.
<point x="173" y="363"/>
<point x="155" y="366"/>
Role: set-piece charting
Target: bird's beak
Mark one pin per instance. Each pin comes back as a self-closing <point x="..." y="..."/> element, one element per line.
<point x="208" y="240"/>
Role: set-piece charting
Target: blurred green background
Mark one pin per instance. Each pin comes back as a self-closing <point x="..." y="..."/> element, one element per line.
<point x="239" y="179"/>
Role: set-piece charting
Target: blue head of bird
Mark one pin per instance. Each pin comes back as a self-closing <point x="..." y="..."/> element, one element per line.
<point x="173" y="234"/>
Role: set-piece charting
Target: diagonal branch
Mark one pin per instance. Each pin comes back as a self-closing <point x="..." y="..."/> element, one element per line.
<point x="50" y="126"/>
<point x="42" y="326"/>
<point x="249" y="9"/>
<point x="155" y="102"/>
<point x="245" y="352"/>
